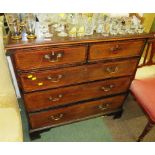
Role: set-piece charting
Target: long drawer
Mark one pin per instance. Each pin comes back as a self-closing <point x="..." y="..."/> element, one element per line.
<point x="75" y="112"/>
<point x="54" y="57"/>
<point x="117" y="49"/>
<point x="41" y="80"/>
<point x="45" y="99"/>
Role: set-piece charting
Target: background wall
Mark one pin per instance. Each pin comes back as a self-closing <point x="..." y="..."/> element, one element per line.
<point x="149" y="23"/>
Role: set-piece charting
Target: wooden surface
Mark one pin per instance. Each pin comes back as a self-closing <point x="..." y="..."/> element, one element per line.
<point x="35" y="59"/>
<point x="91" y="69"/>
<point x="57" y="41"/>
<point x="117" y="49"/>
<point x="74" y="75"/>
<point x="75" y="112"/>
<point x="42" y="100"/>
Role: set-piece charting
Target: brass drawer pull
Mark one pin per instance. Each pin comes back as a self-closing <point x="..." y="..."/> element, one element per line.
<point x="112" y="69"/>
<point x="107" y="88"/>
<point x="55" y="79"/>
<point x="54" y="99"/>
<point x="115" y="49"/>
<point x="103" y="106"/>
<point x="56" y="117"/>
<point x="54" y="57"/>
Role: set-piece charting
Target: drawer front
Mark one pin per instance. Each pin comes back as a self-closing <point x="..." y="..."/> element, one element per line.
<point x="53" y="57"/>
<point x="45" y="99"/>
<point x="118" y="49"/>
<point x="75" y="112"/>
<point x="67" y="76"/>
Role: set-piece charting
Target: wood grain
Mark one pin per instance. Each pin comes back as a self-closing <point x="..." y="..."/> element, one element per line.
<point x="75" y="75"/>
<point x="61" y="96"/>
<point x="34" y="59"/>
<point x="64" y="80"/>
<point x="63" y="41"/>
<point x="118" y="49"/>
<point x="63" y="115"/>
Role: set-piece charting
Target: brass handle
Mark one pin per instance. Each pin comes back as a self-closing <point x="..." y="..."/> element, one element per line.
<point x="54" y="57"/>
<point x="112" y="69"/>
<point x="107" y="88"/>
<point x="103" y="106"/>
<point x="56" y="117"/>
<point x="55" y="79"/>
<point x="115" y="49"/>
<point x="54" y="99"/>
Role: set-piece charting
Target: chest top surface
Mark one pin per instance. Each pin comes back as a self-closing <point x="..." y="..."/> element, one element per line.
<point x="11" y="44"/>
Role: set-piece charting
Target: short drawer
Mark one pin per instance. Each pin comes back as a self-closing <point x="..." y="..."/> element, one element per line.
<point x="54" y="57"/>
<point x="74" y="112"/>
<point x="41" y="80"/>
<point x="117" y="49"/>
<point x="61" y="96"/>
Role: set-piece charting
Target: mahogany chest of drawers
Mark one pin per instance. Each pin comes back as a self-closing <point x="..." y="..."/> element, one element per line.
<point x="67" y="80"/>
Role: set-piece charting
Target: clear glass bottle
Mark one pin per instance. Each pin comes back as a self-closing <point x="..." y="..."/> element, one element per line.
<point x="72" y="26"/>
<point x="89" y="23"/>
<point x="80" y="26"/>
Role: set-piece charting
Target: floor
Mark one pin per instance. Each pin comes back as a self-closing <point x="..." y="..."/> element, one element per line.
<point x="91" y="130"/>
<point x="130" y="125"/>
<point x="102" y="129"/>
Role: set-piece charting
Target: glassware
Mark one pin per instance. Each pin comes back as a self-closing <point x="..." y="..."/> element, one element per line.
<point x="62" y="27"/>
<point x="114" y="26"/>
<point x="89" y="24"/>
<point x="72" y="26"/>
<point x="42" y="25"/>
<point x="99" y="20"/>
<point x="30" y="26"/>
<point x="106" y="29"/>
<point x="140" y="29"/>
<point x="80" y="26"/>
<point x="106" y="26"/>
<point x="63" y="32"/>
<point x="14" y="26"/>
<point x="22" y="19"/>
<point x="72" y="30"/>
